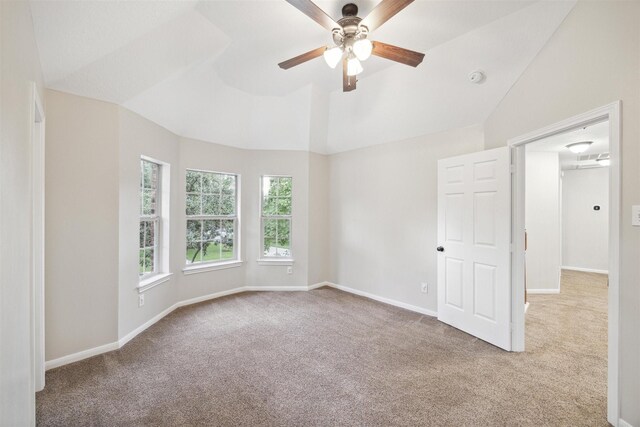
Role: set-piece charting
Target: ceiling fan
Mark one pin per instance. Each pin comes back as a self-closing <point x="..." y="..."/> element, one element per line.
<point x="350" y="35"/>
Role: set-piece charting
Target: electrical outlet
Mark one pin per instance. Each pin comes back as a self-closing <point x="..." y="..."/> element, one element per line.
<point x="424" y="287"/>
<point x="289" y="270"/>
<point x="140" y="300"/>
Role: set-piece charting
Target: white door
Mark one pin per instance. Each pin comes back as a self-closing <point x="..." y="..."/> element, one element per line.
<point x="474" y="238"/>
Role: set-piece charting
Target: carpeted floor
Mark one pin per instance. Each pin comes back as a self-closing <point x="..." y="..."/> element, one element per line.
<point x="326" y="358"/>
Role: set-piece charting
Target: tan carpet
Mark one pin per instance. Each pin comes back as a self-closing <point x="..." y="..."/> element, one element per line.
<point x="326" y="357"/>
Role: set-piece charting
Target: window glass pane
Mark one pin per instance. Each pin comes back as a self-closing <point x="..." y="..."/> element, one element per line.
<point x="141" y="244"/>
<point x="194" y="231"/>
<point x="193" y="204"/>
<point x="194" y="252"/>
<point x="283" y="233"/>
<point x="149" y="234"/>
<point x="210" y="204"/>
<point x="269" y="186"/>
<point x="141" y="262"/>
<point x="210" y="251"/>
<point x="193" y="181"/>
<point x="146" y="175"/>
<point x="228" y="184"/>
<point x="284" y="187"/>
<point x="228" y="205"/>
<point x="270" y="207"/>
<point x="148" y="261"/>
<point x="226" y="238"/>
<point x="209" y="230"/>
<point x="284" y="206"/>
<point x="210" y="183"/>
<point x="270" y="233"/>
<point x="148" y="202"/>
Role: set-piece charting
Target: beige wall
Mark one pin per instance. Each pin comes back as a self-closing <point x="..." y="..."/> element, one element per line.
<point x="319" y="247"/>
<point x="93" y="156"/>
<point x="542" y="220"/>
<point x="19" y="67"/>
<point x="592" y="60"/>
<point x="140" y="137"/>
<point x="383" y="215"/>
<point x="81" y="277"/>
<point x="296" y="165"/>
<point x="212" y="157"/>
<point x="585" y="232"/>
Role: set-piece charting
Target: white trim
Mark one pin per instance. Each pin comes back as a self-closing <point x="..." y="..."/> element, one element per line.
<point x="585" y="270"/>
<point x="276" y="288"/>
<point x="208" y="297"/>
<point x="85" y="354"/>
<point x="37" y="146"/>
<point x="131" y="335"/>
<point x="268" y="261"/>
<point x="543" y="291"/>
<point x="526" y="306"/>
<point x="153" y="281"/>
<point x="610" y="112"/>
<point x="623" y="423"/>
<point x="81" y="355"/>
<point x="203" y="268"/>
<point x="318" y="285"/>
<point x="389" y="301"/>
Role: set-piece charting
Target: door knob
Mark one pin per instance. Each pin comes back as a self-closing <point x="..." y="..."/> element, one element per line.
<point x="440" y="249"/>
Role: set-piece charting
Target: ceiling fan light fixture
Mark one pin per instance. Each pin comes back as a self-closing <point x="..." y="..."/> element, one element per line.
<point x="354" y="67"/>
<point x="579" y="147"/>
<point x="332" y="56"/>
<point x="362" y="49"/>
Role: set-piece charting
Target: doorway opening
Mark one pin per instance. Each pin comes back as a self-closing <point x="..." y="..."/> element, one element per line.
<point x="566" y="222"/>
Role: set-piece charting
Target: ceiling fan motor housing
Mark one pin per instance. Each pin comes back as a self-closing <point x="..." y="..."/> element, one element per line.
<point x="349" y="9"/>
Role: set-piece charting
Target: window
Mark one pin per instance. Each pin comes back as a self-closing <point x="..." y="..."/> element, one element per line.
<point x="276" y="216"/>
<point x="212" y="217"/>
<point x="149" y="218"/>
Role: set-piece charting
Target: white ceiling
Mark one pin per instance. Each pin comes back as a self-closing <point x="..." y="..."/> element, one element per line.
<point x="208" y="69"/>
<point x="597" y="133"/>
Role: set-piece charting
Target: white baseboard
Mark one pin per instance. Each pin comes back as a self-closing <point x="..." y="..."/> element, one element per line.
<point x="85" y="354"/>
<point x="385" y="300"/>
<point x="131" y="335"/>
<point x="543" y="291"/>
<point x="209" y="297"/>
<point x="585" y="270"/>
<point x="526" y="307"/>
<point x="623" y="423"/>
<point x="276" y="288"/>
<point x="75" y="357"/>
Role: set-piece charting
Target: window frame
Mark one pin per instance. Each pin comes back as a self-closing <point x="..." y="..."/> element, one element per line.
<point x="235" y="261"/>
<point x="161" y="273"/>
<point x="156" y="218"/>
<point x="278" y="260"/>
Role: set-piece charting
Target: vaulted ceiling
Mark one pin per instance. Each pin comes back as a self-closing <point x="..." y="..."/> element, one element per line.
<point x="208" y="69"/>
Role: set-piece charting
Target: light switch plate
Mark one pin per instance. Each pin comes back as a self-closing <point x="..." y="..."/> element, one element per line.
<point x="635" y="215"/>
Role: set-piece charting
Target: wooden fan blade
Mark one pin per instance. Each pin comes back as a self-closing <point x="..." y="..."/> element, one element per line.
<point x="310" y="9"/>
<point x="348" y="82"/>
<point x="383" y="12"/>
<point x="285" y="65"/>
<point x="398" y="54"/>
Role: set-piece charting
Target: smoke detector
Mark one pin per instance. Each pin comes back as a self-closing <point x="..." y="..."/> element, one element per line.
<point x="477" y="77"/>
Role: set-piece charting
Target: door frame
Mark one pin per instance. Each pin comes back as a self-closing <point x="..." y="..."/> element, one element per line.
<point x="610" y="112"/>
<point x="37" y="139"/>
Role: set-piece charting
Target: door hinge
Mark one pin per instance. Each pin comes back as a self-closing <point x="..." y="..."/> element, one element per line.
<point x="512" y="168"/>
<point x="511" y="247"/>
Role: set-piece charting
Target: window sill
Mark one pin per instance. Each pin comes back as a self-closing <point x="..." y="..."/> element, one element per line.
<point x="153" y="281"/>
<point x="193" y="269"/>
<point x="275" y="261"/>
